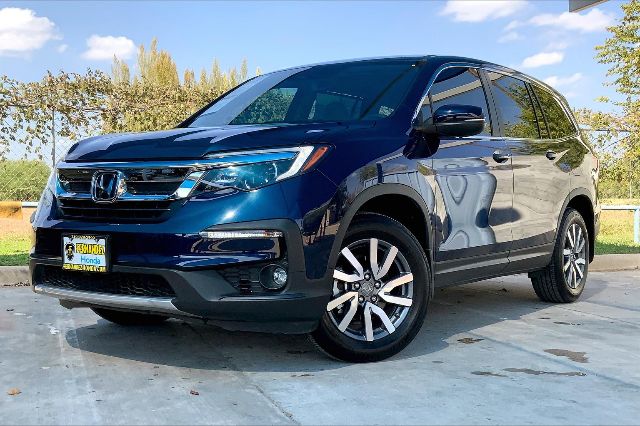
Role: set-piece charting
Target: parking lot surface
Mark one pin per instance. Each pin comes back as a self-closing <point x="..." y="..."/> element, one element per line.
<point x="489" y="352"/>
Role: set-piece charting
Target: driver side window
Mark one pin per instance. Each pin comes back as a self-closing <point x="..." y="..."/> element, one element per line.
<point x="460" y="86"/>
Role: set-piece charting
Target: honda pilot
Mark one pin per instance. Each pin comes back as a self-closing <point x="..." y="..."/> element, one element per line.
<point x="328" y="199"/>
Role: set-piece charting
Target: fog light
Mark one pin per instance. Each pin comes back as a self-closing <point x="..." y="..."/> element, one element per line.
<point x="273" y="277"/>
<point x="279" y="276"/>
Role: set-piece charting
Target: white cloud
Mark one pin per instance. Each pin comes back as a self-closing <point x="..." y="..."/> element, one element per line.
<point x="557" y="45"/>
<point x="593" y="21"/>
<point x="513" y="25"/>
<point x="510" y="36"/>
<point x="21" y="31"/>
<point x="542" y="59"/>
<point x="556" y="81"/>
<point x="62" y="48"/>
<point x="105" y="48"/>
<point x="481" y="10"/>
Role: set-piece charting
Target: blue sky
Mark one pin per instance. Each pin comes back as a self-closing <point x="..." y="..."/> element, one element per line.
<point x="538" y="37"/>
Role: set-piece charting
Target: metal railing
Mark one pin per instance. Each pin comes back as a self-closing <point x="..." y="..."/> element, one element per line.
<point x="636" y="218"/>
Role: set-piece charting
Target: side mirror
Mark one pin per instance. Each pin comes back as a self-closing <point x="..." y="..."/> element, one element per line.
<point x="455" y="120"/>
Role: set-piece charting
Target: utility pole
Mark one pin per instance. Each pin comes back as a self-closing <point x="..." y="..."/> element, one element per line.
<point x="53" y="138"/>
<point x="630" y="176"/>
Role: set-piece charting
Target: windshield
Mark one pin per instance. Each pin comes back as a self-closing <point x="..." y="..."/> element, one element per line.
<point x="367" y="90"/>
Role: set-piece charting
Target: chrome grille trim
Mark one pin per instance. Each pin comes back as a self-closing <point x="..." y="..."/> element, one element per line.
<point x="142" y="183"/>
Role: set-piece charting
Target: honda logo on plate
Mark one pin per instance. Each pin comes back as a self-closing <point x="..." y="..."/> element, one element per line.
<point x="107" y="186"/>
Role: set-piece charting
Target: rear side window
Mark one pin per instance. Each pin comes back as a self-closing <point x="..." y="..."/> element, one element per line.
<point x="557" y="121"/>
<point x="515" y="106"/>
<point x="460" y="86"/>
<point x="542" y="124"/>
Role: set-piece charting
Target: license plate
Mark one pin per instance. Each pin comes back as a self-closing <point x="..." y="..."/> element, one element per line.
<point x="88" y="253"/>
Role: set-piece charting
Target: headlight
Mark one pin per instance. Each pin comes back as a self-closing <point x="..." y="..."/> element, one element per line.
<point x="254" y="169"/>
<point x="46" y="199"/>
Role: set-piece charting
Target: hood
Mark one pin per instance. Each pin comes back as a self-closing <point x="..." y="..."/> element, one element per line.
<point x="194" y="143"/>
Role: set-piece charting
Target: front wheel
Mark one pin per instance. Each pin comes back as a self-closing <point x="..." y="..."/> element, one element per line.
<point x="563" y="280"/>
<point x="381" y="288"/>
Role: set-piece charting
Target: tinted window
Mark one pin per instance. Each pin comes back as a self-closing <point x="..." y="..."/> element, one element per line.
<point x="515" y="106"/>
<point x="542" y="124"/>
<point x="365" y="90"/>
<point x="328" y="106"/>
<point x="557" y="121"/>
<point x="460" y="86"/>
<point x="271" y="106"/>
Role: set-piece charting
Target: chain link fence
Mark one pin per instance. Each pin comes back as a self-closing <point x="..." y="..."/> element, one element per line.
<point x="26" y="163"/>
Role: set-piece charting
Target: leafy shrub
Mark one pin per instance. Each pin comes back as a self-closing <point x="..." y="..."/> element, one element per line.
<point x="22" y="180"/>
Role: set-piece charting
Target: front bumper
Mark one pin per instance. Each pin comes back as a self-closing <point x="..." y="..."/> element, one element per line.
<point x="207" y="292"/>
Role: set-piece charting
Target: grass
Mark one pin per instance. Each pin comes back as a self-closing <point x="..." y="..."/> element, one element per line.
<point x="22" y="180"/>
<point x="14" y="250"/>
<point x="616" y="235"/>
<point x="616" y="232"/>
<point x="15" y="241"/>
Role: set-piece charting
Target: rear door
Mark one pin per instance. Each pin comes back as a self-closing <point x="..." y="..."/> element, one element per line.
<point x="541" y="179"/>
<point x="474" y="187"/>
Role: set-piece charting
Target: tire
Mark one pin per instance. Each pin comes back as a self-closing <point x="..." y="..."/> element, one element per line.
<point x="364" y="336"/>
<point x="129" y="318"/>
<point x="563" y="280"/>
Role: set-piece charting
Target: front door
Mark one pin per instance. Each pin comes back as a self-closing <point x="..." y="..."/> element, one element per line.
<point x="474" y="188"/>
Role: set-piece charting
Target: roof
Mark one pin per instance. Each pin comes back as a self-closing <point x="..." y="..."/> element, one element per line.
<point x="439" y="60"/>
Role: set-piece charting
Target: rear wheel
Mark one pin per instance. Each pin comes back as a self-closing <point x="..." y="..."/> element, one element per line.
<point x="381" y="288"/>
<point x="129" y="318"/>
<point x="563" y="280"/>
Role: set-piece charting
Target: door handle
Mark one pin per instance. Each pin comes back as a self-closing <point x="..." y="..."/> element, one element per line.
<point x="501" y="157"/>
<point x="551" y="155"/>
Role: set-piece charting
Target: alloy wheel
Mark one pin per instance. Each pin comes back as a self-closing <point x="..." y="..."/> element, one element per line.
<point x="370" y="300"/>
<point x="574" y="256"/>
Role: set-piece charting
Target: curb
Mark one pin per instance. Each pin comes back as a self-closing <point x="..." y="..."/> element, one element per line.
<point x="14" y="276"/>
<point x="615" y="262"/>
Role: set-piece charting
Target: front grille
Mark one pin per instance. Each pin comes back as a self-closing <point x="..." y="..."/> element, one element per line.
<point x="111" y="283"/>
<point x="146" y="196"/>
<point x="136" y="211"/>
<point x="158" y="181"/>
<point x="155" y="181"/>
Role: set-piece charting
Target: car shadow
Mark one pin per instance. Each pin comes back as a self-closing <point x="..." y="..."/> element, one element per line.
<point x="454" y="313"/>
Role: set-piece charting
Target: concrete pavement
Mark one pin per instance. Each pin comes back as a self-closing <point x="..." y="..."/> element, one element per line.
<point x="489" y="352"/>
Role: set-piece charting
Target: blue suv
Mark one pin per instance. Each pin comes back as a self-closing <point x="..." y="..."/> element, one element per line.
<point x="328" y="199"/>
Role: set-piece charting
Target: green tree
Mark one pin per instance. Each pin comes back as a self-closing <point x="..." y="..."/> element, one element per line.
<point x="64" y="105"/>
<point x="621" y="51"/>
<point x="154" y="98"/>
<point x="619" y="138"/>
<point x="619" y="167"/>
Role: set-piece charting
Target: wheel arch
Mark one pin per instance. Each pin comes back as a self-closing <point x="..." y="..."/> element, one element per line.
<point x="398" y="201"/>
<point x="580" y="199"/>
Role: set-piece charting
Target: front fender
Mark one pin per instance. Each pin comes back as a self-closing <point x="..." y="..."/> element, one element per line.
<point x="379" y="190"/>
